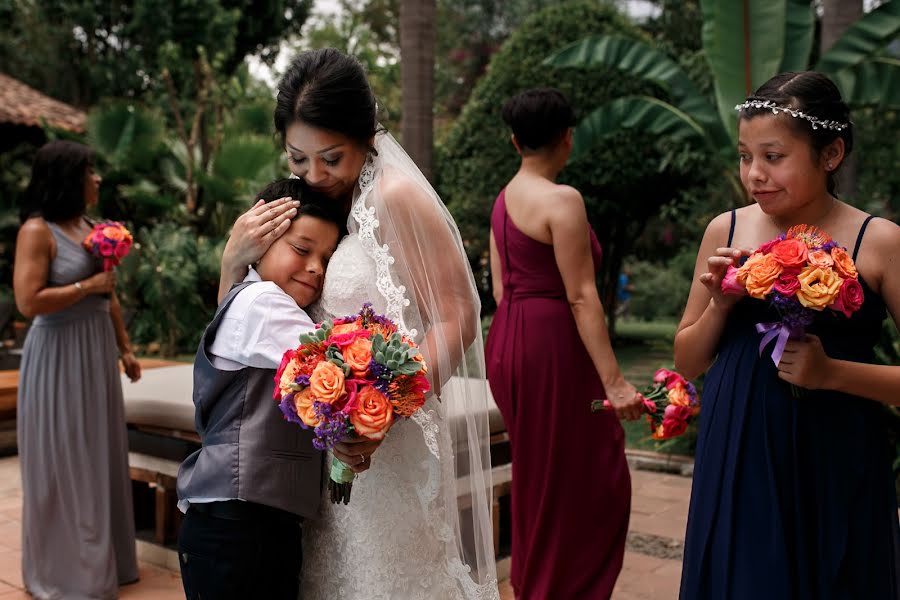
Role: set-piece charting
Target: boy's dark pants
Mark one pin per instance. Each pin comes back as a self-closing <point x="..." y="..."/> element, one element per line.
<point x="239" y="550"/>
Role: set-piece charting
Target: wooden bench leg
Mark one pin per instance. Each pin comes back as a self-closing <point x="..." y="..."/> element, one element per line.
<point x="495" y="519"/>
<point x="159" y="534"/>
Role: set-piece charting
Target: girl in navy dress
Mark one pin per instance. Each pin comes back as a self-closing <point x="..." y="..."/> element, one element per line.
<point x="792" y="497"/>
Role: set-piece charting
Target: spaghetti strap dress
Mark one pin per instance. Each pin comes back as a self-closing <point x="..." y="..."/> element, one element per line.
<point x="77" y="521"/>
<point x="793" y="498"/>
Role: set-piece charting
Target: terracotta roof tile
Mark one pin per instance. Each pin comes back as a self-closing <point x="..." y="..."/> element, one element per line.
<point x="23" y="105"/>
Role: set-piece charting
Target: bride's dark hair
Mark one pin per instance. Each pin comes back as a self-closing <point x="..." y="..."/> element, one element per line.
<point x="329" y="90"/>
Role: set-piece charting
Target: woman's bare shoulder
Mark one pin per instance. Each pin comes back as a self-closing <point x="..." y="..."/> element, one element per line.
<point x="35" y="228"/>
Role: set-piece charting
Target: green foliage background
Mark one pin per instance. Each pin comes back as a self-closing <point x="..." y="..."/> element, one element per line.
<point x="625" y="180"/>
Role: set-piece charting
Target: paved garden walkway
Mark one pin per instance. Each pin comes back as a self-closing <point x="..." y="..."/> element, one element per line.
<point x="652" y="561"/>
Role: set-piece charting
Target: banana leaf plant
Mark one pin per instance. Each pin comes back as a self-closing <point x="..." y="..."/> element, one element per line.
<point x="744" y="44"/>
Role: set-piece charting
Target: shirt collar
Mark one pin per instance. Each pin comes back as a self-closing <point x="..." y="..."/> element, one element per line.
<point x="252" y="275"/>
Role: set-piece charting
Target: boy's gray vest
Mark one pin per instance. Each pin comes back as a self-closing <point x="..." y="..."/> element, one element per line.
<point x="249" y="451"/>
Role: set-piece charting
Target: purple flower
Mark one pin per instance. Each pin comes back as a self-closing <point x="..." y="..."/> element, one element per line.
<point x="302" y="380"/>
<point x="290" y="413"/>
<point x="333" y="427"/>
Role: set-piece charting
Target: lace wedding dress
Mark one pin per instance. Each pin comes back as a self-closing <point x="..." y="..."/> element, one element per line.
<point x="418" y="523"/>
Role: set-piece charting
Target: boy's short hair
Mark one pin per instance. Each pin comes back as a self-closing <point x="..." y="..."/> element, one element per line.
<point x="312" y="203"/>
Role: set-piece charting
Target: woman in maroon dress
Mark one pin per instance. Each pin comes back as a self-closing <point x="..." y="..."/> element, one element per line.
<point x="548" y="356"/>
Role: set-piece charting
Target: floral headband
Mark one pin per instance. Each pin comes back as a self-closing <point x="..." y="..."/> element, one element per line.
<point x="799" y="114"/>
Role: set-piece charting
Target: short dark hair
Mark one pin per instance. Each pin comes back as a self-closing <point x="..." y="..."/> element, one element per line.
<point x="312" y="203"/>
<point x="327" y="89"/>
<point x="56" y="189"/>
<point x="814" y="94"/>
<point x="538" y="117"/>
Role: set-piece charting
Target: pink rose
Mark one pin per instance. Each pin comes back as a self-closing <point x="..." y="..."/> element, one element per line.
<point x="680" y="413"/>
<point x="730" y="285"/>
<point x="669" y="428"/>
<point x="787" y="283"/>
<point x="661" y="375"/>
<point x="106" y="249"/>
<point x="767" y="247"/>
<point x="121" y="250"/>
<point x="342" y="340"/>
<point x="850" y="297"/>
<point x="675" y="380"/>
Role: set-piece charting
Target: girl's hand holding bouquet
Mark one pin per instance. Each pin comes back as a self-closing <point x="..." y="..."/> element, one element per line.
<point x="801" y="274"/>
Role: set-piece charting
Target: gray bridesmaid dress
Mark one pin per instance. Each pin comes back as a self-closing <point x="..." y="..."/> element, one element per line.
<point x="77" y="521"/>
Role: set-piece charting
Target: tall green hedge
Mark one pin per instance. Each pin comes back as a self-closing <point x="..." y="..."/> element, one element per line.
<point x="624" y="180"/>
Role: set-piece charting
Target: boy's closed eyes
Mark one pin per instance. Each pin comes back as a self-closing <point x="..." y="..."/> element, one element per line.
<point x="296" y="262"/>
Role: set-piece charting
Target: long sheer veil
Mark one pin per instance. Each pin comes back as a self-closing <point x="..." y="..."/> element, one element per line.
<point x="424" y="277"/>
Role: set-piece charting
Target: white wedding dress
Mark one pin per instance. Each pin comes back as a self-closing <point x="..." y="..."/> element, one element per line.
<point x="401" y="536"/>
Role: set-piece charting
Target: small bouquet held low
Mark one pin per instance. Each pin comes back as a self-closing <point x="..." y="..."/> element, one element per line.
<point x="670" y="402"/>
<point x="356" y="374"/>
<point x="109" y="241"/>
<point x="801" y="273"/>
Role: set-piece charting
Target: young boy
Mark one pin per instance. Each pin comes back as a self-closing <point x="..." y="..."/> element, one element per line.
<point x="247" y="490"/>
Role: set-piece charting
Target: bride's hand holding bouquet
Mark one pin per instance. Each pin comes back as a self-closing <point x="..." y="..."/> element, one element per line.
<point x="349" y="381"/>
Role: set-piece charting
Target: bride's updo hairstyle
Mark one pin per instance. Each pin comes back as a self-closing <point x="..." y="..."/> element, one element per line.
<point x="817" y="113"/>
<point x="328" y="90"/>
<point x="539" y="118"/>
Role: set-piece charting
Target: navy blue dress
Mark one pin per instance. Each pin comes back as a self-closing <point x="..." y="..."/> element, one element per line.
<point x="792" y="498"/>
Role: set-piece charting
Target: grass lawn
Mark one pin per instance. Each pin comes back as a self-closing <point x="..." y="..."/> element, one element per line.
<point x="641" y="348"/>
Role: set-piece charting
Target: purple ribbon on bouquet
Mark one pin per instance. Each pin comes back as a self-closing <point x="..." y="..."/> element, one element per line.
<point x="780" y="331"/>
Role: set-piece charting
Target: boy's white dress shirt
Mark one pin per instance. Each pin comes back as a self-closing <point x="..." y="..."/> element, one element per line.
<point x="262" y="322"/>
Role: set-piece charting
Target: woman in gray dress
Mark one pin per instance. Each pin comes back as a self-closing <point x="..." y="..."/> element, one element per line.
<point x="77" y="523"/>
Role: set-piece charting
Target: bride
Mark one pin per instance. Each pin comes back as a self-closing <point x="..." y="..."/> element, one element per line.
<point x="418" y="524"/>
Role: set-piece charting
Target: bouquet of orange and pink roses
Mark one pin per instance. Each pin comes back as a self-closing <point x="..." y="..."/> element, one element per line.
<point x="801" y="273"/>
<point x="109" y="241"/>
<point x="354" y="374"/>
<point x="670" y="402"/>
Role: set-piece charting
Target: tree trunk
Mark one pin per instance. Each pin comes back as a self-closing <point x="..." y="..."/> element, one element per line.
<point x="837" y="16"/>
<point x="417" y="40"/>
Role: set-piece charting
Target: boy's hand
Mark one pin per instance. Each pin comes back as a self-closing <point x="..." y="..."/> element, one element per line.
<point x="356" y="452"/>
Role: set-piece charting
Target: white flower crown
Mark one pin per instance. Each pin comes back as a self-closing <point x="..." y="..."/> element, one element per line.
<point x="816" y="123"/>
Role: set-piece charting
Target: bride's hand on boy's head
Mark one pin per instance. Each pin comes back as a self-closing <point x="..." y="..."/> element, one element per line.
<point x="255" y="230"/>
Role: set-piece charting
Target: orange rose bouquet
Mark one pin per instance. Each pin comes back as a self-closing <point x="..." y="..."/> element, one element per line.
<point x="109" y="241"/>
<point x="801" y="273"/>
<point x="670" y="402"/>
<point x="356" y="374"/>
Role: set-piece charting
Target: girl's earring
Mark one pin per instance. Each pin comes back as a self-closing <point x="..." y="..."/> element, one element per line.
<point x="829" y="166"/>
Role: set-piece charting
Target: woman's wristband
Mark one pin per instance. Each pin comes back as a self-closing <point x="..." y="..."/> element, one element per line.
<point x="80" y="288"/>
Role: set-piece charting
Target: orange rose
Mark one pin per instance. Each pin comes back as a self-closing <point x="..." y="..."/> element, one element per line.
<point x="358" y="355"/>
<point x="790" y="253"/>
<point x="327" y="382"/>
<point x="843" y="264"/>
<point x="288" y="375"/>
<point x="760" y="274"/>
<point x="346" y="328"/>
<point x="679" y="396"/>
<point x="303" y="404"/>
<point x="821" y="259"/>
<point x="818" y="287"/>
<point x="373" y="415"/>
<point x="113" y="233"/>
<point x="744" y="270"/>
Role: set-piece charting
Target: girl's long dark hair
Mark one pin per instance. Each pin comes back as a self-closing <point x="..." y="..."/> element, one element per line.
<point x="56" y="189"/>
